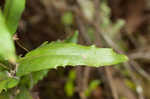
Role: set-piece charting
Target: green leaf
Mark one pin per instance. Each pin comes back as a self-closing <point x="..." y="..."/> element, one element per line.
<point x="92" y="86"/>
<point x="70" y="86"/>
<point x="12" y="11"/>
<point x="24" y="94"/>
<point x="7" y="49"/>
<point x="62" y="54"/>
<point x="7" y="82"/>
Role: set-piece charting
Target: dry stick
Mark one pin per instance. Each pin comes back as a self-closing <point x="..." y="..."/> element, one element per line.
<point x="124" y="90"/>
<point x="139" y="70"/>
<point x="104" y="78"/>
<point x="78" y="80"/>
<point x="130" y="36"/>
<point x="140" y="55"/>
<point x="112" y="84"/>
<point x="138" y="85"/>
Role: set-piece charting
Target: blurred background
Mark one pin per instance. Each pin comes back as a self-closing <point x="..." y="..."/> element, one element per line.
<point x="123" y="25"/>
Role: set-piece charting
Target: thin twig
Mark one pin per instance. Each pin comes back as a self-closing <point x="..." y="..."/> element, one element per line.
<point x="140" y="55"/>
<point x="140" y="70"/>
<point x="111" y="82"/>
<point x="21" y="46"/>
<point x="136" y="81"/>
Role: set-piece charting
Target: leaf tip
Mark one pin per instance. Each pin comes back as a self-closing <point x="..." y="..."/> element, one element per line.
<point x="123" y="58"/>
<point x="126" y="58"/>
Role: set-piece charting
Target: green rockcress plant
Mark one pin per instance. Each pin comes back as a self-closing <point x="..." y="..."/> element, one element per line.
<point x="16" y="72"/>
